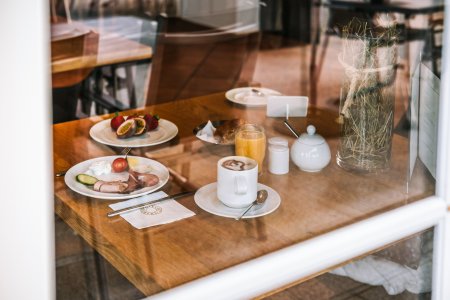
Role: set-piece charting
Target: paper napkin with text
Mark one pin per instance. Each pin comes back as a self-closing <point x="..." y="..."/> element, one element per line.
<point x="164" y="212"/>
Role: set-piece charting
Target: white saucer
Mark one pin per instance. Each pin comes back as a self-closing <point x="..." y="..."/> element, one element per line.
<point x="245" y="96"/>
<point x="206" y="199"/>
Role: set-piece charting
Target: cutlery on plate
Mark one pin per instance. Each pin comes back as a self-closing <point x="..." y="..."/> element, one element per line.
<point x="138" y="206"/>
<point x="261" y="197"/>
<point x="125" y="152"/>
<point x="258" y="93"/>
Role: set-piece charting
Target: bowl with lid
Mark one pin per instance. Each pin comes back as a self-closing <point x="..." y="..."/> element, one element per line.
<point x="310" y="152"/>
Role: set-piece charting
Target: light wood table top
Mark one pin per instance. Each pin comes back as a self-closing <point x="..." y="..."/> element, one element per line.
<point x="108" y="49"/>
<point x="162" y="257"/>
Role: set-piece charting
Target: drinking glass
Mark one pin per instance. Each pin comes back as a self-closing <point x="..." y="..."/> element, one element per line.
<point x="250" y="141"/>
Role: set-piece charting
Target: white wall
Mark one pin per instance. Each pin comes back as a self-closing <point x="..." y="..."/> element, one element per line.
<point x="26" y="221"/>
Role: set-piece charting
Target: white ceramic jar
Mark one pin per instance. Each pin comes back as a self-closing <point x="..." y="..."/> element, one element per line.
<point x="278" y="140"/>
<point x="278" y="159"/>
<point x="310" y="152"/>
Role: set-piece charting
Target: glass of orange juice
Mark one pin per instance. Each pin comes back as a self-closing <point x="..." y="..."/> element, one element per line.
<point x="250" y="141"/>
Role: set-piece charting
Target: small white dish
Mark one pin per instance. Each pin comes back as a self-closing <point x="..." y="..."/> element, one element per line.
<point x="206" y="199"/>
<point x="102" y="133"/>
<point x="156" y="168"/>
<point x="245" y="96"/>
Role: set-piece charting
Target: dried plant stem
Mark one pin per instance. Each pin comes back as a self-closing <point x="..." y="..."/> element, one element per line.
<point x="367" y="106"/>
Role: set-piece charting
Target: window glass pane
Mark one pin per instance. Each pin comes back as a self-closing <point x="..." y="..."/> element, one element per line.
<point x="401" y="271"/>
<point x="357" y="81"/>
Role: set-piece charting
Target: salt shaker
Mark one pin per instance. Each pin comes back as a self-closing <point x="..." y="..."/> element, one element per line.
<point x="278" y="156"/>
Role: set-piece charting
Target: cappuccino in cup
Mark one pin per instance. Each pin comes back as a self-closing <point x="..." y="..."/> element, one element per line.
<point x="237" y="181"/>
<point x="238" y="165"/>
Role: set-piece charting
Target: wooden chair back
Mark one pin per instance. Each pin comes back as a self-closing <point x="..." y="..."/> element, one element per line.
<point x="193" y="60"/>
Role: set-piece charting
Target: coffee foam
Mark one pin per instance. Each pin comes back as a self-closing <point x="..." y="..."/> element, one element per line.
<point x="237" y="165"/>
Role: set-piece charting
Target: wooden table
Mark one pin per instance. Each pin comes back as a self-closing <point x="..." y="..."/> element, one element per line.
<point x="162" y="257"/>
<point x="110" y="49"/>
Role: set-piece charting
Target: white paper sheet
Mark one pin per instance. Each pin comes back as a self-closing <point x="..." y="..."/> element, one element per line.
<point x="428" y="118"/>
<point x="414" y="119"/>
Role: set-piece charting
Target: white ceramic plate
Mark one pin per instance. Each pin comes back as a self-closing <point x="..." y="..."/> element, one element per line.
<point x="64" y="31"/>
<point x="102" y="133"/>
<point x="245" y="96"/>
<point x="156" y="168"/>
<point x="206" y="199"/>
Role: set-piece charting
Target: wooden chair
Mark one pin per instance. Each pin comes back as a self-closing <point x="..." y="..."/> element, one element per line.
<point x="72" y="57"/>
<point x="193" y="60"/>
<point x="434" y="50"/>
<point x="336" y="20"/>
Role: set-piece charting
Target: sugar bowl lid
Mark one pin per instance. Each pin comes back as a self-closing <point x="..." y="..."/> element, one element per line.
<point x="311" y="138"/>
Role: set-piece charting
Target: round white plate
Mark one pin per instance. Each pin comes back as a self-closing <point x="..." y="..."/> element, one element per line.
<point x="206" y="199"/>
<point x="66" y="31"/>
<point x="156" y="168"/>
<point x="102" y="133"/>
<point x="245" y="96"/>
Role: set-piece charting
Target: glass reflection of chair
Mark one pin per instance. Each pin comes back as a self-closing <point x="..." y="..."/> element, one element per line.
<point x="340" y="14"/>
<point x="74" y="50"/>
<point x="433" y="49"/>
<point x="193" y="60"/>
<point x="119" y="86"/>
<point x="337" y="19"/>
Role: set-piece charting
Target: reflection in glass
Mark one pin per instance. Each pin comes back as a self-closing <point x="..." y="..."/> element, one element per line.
<point x="401" y="271"/>
<point x="183" y="56"/>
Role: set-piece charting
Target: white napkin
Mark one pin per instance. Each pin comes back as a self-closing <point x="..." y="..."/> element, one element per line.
<point x="207" y="133"/>
<point x="163" y="212"/>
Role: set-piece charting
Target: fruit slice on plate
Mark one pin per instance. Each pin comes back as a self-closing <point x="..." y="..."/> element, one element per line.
<point x="141" y="126"/>
<point x="126" y="129"/>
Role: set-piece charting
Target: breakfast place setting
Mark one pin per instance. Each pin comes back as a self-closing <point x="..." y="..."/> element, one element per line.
<point x="237" y="191"/>
<point x="216" y="147"/>
<point x="228" y="173"/>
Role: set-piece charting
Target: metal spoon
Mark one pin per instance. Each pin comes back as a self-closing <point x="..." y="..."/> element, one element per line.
<point x="294" y="132"/>
<point x="261" y="197"/>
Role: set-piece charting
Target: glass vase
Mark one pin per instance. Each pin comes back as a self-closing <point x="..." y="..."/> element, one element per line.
<point x="367" y="102"/>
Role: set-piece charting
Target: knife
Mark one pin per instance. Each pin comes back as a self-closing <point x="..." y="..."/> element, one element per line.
<point x="138" y="206"/>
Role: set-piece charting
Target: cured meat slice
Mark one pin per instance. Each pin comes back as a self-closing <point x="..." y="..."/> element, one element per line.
<point x="110" y="186"/>
<point x="144" y="179"/>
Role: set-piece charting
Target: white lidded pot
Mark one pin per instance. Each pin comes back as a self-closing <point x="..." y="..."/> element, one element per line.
<point x="310" y="152"/>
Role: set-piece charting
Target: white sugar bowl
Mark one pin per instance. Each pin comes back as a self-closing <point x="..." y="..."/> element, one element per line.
<point x="310" y="152"/>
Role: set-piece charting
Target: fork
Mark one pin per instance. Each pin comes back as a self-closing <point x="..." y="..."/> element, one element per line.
<point x="125" y="152"/>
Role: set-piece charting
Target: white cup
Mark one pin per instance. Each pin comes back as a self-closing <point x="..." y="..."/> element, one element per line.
<point x="237" y="188"/>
